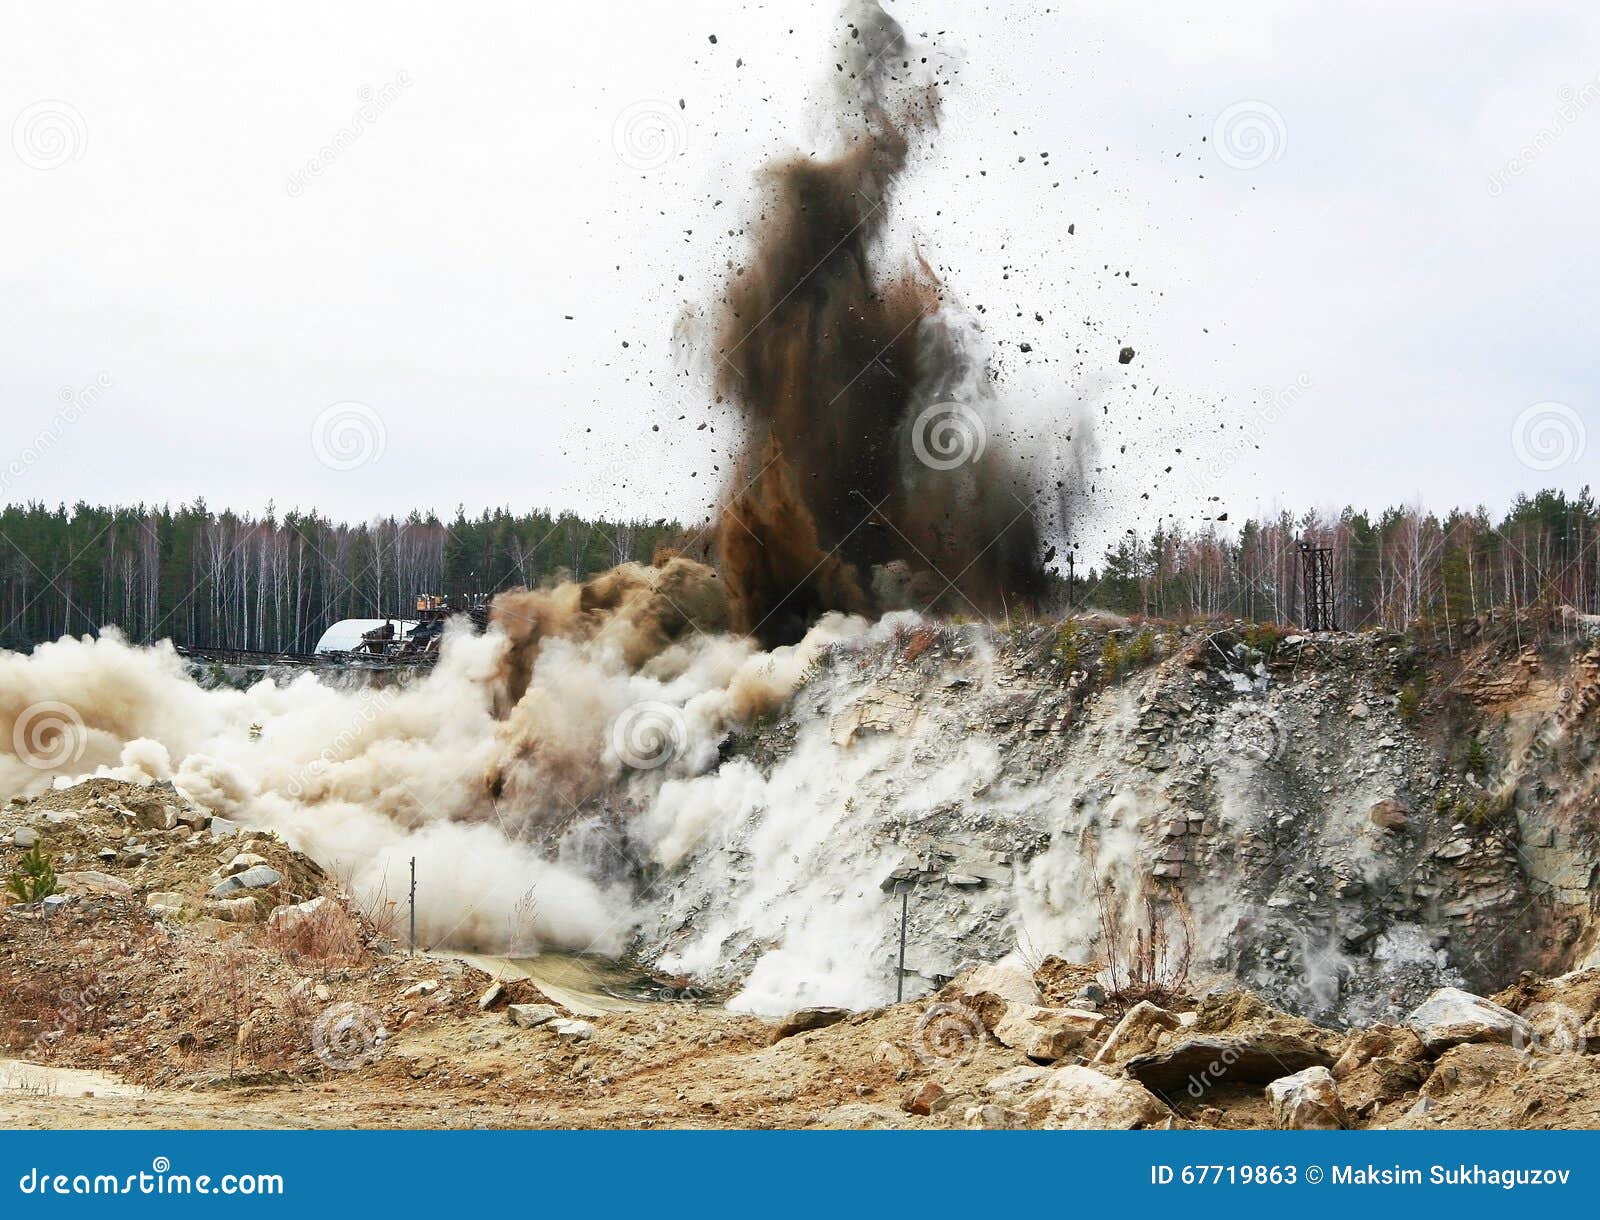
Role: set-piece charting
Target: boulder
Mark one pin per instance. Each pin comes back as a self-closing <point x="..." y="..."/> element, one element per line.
<point x="1045" y="1034"/>
<point x="288" y="918"/>
<point x="1380" y="1041"/>
<point x="234" y="910"/>
<point x="1016" y="1081"/>
<point x="241" y="861"/>
<point x="91" y="882"/>
<point x="566" y="1027"/>
<point x="417" y="990"/>
<point x="25" y="837"/>
<point x="1307" y="1101"/>
<point x="530" y="1016"/>
<point x="491" y="996"/>
<point x="808" y="1019"/>
<point x="926" y="1098"/>
<point x="1193" y="1065"/>
<point x="994" y="1118"/>
<point x="1478" y="1070"/>
<point x="1451" y="1016"/>
<point x="194" y="819"/>
<point x="259" y="877"/>
<point x="1381" y="1080"/>
<point x="1389" y="814"/>
<point x="211" y="927"/>
<point x="164" y="902"/>
<point x="1077" y="1098"/>
<point x="1007" y="982"/>
<point x="154" y="815"/>
<point x="1138" y="1033"/>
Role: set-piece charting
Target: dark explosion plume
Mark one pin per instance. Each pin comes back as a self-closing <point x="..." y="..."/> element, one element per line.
<point x="869" y="479"/>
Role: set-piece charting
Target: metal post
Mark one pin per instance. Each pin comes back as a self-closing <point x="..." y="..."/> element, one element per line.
<point x="413" y="906"/>
<point x="900" y="975"/>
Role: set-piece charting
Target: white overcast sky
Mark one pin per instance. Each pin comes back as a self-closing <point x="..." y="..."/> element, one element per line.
<point x="1401" y="311"/>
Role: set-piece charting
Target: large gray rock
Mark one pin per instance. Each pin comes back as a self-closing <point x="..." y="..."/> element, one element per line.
<point x="1194" y="1065"/>
<point x="290" y="918"/>
<point x="235" y="910"/>
<point x="194" y="819"/>
<point x="531" y="1016"/>
<point x="1016" y="1081"/>
<point x="1307" y="1101"/>
<point x="1139" y="1032"/>
<point x="1007" y="982"/>
<point x="1081" y="1099"/>
<point x="259" y="877"/>
<point x="25" y="837"/>
<point x="1045" y="1034"/>
<point x="90" y="882"/>
<point x="1451" y="1016"/>
<point x="807" y="1019"/>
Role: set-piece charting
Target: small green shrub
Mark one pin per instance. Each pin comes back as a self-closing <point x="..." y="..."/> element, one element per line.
<point x="34" y="877"/>
<point x="1264" y="637"/>
<point x="1111" y="657"/>
<point x="1477" y="758"/>
<point x="1141" y="650"/>
<point x="1067" y="646"/>
<point x="1410" y="699"/>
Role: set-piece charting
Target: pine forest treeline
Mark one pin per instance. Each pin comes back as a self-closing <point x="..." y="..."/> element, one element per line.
<point x="1392" y="570"/>
<point x="232" y="580"/>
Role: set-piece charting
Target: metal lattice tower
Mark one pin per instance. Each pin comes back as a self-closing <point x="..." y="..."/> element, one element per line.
<point x="1316" y="588"/>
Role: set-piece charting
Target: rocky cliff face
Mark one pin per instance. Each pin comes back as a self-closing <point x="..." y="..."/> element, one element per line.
<point x="1342" y="822"/>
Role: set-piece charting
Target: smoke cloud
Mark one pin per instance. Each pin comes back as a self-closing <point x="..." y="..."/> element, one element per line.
<point x="870" y="476"/>
<point x="515" y="766"/>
